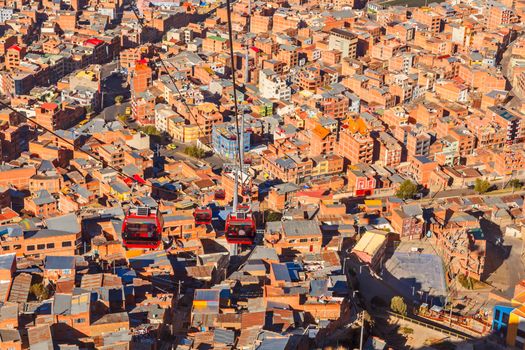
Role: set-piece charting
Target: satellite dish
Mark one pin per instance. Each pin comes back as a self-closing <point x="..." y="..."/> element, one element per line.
<point x="429" y="233"/>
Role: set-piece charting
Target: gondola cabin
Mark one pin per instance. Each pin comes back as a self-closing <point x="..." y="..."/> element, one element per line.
<point x="142" y="228"/>
<point x="203" y="216"/>
<point x="240" y="227"/>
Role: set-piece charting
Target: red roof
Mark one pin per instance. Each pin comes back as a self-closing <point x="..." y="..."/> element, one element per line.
<point x="142" y="61"/>
<point x="15" y="47"/>
<point x="140" y="180"/>
<point x="93" y="41"/>
<point x="312" y="193"/>
<point x="49" y="106"/>
<point x="256" y="49"/>
<point x="127" y="181"/>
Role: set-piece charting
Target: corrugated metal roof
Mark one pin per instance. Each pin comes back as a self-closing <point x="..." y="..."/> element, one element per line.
<point x="223" y="336"/>
<point x="281" y="273"/>
<point x="4" y="290"/>
<point x="6" y="261"/>
<point x="370" y="243"/>
<point x="273" y="344"/>
<point x="301" y="228"/>
<point x="8" y="311"/>
<point x="40" y="338"/>
<point x="91" y="282"/>
<point x="62" y="304"/>
<point x="200" y="272"/>
<point x="252" y="319"/>
<point x="207" y="294"/>
<point x="59" y="262"/>
<point x="318" y="288"/>
<point x="9" y="335"/>
<point x="263" y="253"/>
<point x="68" y="223"/>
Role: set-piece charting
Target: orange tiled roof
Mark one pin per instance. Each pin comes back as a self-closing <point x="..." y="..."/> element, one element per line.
<point x="320" y="131"/>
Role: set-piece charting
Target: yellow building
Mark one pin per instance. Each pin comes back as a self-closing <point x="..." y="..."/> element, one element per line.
<point x="516" y="326"/>
<point x="182" y="132"/>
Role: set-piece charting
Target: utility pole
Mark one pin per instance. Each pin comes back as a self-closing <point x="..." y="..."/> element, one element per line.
<point x="362" y="330"/>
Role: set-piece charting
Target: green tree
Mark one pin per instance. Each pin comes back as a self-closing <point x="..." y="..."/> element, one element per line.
<point x="397" y="304"/>
<point x="406" y="190"/>
<point x="150" y="130"/>
<point x="514" y="183"/>
<point x="195" y="152"/>
<point x="39" y="291"/>
<point x="481" y="186"/>
<point x="270" y="215"/>
<point x="119" y="99"/>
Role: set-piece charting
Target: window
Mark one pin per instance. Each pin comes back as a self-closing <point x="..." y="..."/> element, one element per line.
<point x="50" y="245"/>
<point x="80" y="320"/>
<point x="6" y="247"/>
<point x="17" y="246"/>
<point x="30" y="247"/>
<point x="66" y="244"/>
<point x="505" y="318"/>
<point x="41" y="246"/>
<point x="497" y="314"/>
<point x="303" y="240"/>
<point x="521" y="333"/>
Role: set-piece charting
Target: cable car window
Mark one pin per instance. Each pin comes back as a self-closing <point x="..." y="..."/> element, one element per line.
<point x="140" y="229"/>
<point x="202" y="217"/>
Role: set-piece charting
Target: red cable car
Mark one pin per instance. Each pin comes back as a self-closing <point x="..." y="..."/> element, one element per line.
<point x="142" y="228"/>
<point x="240" y="226"/>
<point x="202" y="216"/>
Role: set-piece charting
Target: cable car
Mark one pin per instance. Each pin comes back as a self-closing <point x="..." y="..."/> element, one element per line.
<point x="240" y="226"/>
<point x="202" y="216"/>
<point x="142" y="228"/>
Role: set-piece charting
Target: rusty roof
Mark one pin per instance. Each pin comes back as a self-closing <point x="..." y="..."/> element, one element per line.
<point x="252" y="319"/>
<point x="40" y="337"/>
<point x="20" y="288"/>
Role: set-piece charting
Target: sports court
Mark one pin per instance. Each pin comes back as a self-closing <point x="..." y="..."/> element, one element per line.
<point x="408" y="271"/>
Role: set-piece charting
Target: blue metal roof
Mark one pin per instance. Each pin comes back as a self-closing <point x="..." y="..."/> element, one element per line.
<point x="281" y="272"/>
<point x="59" y="262"/>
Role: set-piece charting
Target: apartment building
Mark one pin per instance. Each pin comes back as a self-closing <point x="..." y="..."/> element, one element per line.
<point x="224" y="140"/>
<point x="460" y="242"/>
<point x="429" y="18"/>
<point x="273" y="86"/>
<point x="343" y="41"/>
<point x="287" y="237"/>
<point x="43" y="241"/>
<point x="509" y="121"/>
<point x="356" y="147"/>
